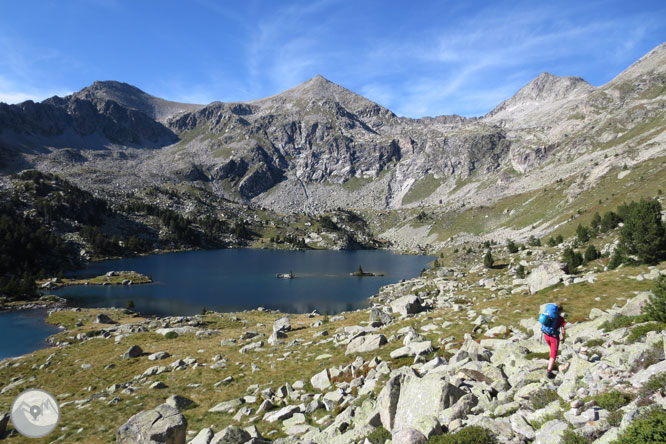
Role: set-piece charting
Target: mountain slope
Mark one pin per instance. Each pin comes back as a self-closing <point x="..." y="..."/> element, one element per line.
<point x="319" y="146"/>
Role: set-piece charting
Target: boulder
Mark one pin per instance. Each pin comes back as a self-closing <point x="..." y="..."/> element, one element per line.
<point x="282" y="414"/>
<point x="643" y="376"/>
<point x="179" y="402"/>
<point x="424" y="398"/>
<point x="387" y="401"/>
<point x="227" y="406"/>
<point x="4" y="419"/>
<point x="408" y="436"/>
<point x="158" y="356"/>
<point x="133" y="352"/>
<point x="406" y="305"/>
<point x="252" y="346"/>
<point x="378" y="317"/>
<point x="231" y="435"/>
<point x="283" y="324"/>
<point x="164" y="424"/>
<point x="203" y="437"/>
<point x="635" y="305"/>
<point x="320" y="381"/>
<point x="551" y="432"/>
<point x="104" y="319"/>
<point x="364" y="344"/>
<point x="412" y="349"/>
<point x="544" y="276"/>
<point x="276" y="338"/>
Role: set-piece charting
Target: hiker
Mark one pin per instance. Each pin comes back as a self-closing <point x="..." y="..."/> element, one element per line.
<point x="552" y="326"/>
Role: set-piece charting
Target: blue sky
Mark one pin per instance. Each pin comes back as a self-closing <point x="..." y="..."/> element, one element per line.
<point x="418" y="58"/>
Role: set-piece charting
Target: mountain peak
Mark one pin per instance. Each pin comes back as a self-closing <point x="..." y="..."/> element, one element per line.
<point x="317" y="88"/>
<point x="546" y="88"/>
<point x="132" y="97"/>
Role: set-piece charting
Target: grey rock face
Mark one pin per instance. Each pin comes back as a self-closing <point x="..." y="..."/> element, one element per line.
<point x="320" y="381"/>
<point x="203" y="437"/>
<point x="282" y="325"/>
<point x="4" y="419"/>
<point x="364" y="344"/>
<point x="424" y="398"/>
<point x="551" y="432"/>
<point x="104" y="319"/>
<point x="377" y="316"/>
<point x="408" y="436"/>
<point x="231" y="435"/>
<point x="179" y="402"/>
<point x="544" y="276"/>
<point x="164" y="425"/>
<point x="406" y="305"/>
<point x="133" y="352"/>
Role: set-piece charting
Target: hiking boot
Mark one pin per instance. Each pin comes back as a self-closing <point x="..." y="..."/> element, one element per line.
<point x="550" y="375"/>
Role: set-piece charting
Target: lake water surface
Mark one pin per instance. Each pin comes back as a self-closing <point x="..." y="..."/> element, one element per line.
<point x="241" y="279"/>
<point x="23" y="331"/>
<point x="223" y="280"/>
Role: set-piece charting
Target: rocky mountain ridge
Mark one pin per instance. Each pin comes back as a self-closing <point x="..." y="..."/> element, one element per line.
<point x="319" y="146"/>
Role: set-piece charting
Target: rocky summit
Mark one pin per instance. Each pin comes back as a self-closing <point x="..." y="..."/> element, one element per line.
<point x="319" y="146"/>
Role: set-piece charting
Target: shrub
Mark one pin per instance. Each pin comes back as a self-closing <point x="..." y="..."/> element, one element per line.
<point x="594" y="343"/>
<point x="543" y="397"/>
<point x="654" y="384"/>
<point x="648" y="429"/>
<point x="655" y="309"/>
<point x="130" y="304"/>
<point x="466" y="435"/>
<point x="595" y="224"/>
<point x="488" y="260"/>
<point x="619" y="321"/>
<point x="571" y="437"/>
<point x="614" y="418"/>
<point x="520" y="272"/>
<point x="534" y="241"/>
<point x="171" y="335"/>
<point x="612" y="401"/>
<point x="379" y="435"/>
<point x="640" y="331"/>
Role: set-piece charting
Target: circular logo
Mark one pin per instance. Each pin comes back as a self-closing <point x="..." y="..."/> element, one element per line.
<point x="35" y="413"/>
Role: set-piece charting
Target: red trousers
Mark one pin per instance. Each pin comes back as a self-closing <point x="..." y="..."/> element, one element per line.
<point x="554" y="344"/>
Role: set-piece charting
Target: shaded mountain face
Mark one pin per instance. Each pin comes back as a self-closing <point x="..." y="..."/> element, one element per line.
<point x="76" y="121"/>
<point x="319" y="146"/>
<point x="131" y="97"/>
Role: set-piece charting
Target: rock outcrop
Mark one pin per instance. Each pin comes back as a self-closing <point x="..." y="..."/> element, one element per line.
<point x="163" y="425"/>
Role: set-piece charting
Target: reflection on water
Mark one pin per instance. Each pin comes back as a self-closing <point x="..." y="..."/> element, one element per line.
<point x="23" y="331"/>
<point x="235" y="280"/>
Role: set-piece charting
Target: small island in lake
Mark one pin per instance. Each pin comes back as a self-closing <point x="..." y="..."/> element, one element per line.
<point x="361" y="273"/>
<point x="109" y="278"/>
<point x="289" y="275"/>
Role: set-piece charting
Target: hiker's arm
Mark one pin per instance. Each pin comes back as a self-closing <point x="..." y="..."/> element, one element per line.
<point x="563" y="334"/>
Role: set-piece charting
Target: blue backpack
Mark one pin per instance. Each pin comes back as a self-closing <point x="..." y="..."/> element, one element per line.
<point x="548" y="320"/>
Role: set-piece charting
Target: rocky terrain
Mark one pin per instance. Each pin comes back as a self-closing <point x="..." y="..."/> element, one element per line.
<point x="319" y="146"/>
<point x="456" y="349"/>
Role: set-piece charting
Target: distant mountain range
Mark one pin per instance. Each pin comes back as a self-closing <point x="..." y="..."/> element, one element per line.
<point x="320" y="146"/>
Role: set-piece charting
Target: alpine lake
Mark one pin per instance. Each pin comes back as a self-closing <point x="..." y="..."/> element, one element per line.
<point x="230" y="280"/>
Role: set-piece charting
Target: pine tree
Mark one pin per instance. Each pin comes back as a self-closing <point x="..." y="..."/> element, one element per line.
<point x="520" y="272"/>
<point x="488" y="260"/>
<point x="655" y="309"/>
<point x="511" y="246"/>
<point x="591" y="253"/>
<point x="572" y="259"/>
<point x="643" y="233"/>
